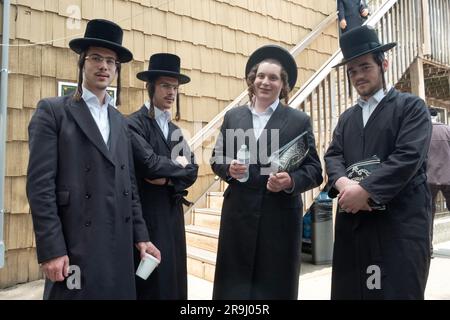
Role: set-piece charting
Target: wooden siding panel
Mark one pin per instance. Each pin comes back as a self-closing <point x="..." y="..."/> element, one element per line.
<point x="15" y="91"/>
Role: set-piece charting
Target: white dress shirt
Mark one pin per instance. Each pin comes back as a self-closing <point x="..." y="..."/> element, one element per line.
<point x="99" y="112"/>
<point x="162" y="118"/>
<point x="369" y="106"/>
<point x="260" y="119"/>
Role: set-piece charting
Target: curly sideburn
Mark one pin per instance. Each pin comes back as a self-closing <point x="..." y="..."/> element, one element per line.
<point x="150" y="86"/>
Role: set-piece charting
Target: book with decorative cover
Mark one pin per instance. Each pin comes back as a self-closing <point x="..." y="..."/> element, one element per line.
<point x="361" y="170"/>
<point x="289" y="157"/>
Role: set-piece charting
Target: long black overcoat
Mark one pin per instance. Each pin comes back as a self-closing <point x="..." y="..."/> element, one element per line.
<point x="162" y="205"/>
<point x="396" y="240"/>
<point x="84" y="199"/>
<point x="260" y="231"/>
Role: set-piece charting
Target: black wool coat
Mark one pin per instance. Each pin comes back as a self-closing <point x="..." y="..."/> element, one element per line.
<point x="260" y="231"/>
<point x="162" y="205"/>
<point x="396" y="240"/>
<point x="84" y="199"/>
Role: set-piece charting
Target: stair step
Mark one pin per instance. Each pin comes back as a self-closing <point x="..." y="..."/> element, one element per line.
<point x="202" y="237"/>
<point x="210" y="211"/>
<point x="215" y="200"/>
<point x="201" y="263"/>
<point x="209" y="218"/>
<point x="441" y="232"/>
<point x="202" y="255"/>
<point x="208" y="232"/>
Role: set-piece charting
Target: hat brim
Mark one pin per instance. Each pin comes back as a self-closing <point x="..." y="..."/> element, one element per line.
<point x="383" y="48"/>
<point x="80" y="44"/>
<point x="277" y="53"/>
<point x="153" y="74"/>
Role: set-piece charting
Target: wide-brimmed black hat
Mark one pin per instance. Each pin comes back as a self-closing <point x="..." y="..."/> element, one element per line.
<point x="277" y="53"/>
<point x="163" y="64"/>
<point x="360" y="41"/>
<point x="105" y="34"/>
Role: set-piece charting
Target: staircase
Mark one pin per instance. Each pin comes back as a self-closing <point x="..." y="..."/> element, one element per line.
<point x="202" y="235"/>
<point x="420" y="28"/>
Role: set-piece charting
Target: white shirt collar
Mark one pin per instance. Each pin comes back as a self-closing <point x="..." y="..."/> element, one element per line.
<point x="89" y="96"/>
<point x="375" y="99"/>
<point x="271" y="109"/>
<point x="159" y="114"/>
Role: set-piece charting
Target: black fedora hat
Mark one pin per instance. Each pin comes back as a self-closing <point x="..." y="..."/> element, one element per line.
<point x="105" y="34"/>
<point x="360" y="41"/>
<point x="163" y="64"/>
<point x="277" y="53"/>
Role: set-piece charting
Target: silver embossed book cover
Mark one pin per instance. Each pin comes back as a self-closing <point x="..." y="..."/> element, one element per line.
<point x="361" y="170"/>
<point x="289" y="157"/>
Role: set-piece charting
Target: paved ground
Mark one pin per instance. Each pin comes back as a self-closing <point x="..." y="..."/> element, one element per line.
<point x="315" y="282"/>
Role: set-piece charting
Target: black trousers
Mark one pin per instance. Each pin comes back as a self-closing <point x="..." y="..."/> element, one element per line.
<point x="434" y="188"/>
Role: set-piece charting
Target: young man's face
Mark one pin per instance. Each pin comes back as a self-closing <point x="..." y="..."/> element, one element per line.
<point x="166" y="89"/>
<point x="366" y="75"/>
<point x="268" y="83"/>
<point x="98" y="74"/>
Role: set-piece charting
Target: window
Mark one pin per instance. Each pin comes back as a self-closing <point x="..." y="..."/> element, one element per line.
<point x="65" y="88"/>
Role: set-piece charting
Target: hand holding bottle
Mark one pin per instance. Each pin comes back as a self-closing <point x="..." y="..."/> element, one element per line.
<point x="239" y="168"/>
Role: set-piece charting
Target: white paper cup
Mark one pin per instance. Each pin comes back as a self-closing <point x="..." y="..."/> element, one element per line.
<point x="146" y="266"/>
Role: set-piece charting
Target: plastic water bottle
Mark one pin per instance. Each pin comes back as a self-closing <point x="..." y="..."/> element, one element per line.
<point x="243" y="156"/>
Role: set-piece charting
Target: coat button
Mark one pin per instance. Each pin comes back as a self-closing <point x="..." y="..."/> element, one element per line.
<point x="87" y="169"/>
<point x="122" y="167"/>
<point x="88" y="223"/>
<point x="125" y="193"/>
<point x="127" y="219"/>
<point x="87" y="196"/>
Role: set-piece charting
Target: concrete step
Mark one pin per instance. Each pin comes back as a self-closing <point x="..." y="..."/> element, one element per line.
<point x="202" y="238"/>
<point x="206" y="217"/>
<point x="441" y="231"/>
<point x="215" y="200"/>
<point x="199" y="289"/>
<point x="201" y="263"/>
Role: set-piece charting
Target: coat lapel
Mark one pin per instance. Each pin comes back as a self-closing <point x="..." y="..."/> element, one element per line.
<point x="115" y="128"/>
<point x="246" y="124"/>
<point x="172" y="129"/>
<point x="277" y="121"/>
<point x="83" y="118"/>
<point x="156" y="127"/>
<point x="390" y="95"/>
<point x="357" y="113"/>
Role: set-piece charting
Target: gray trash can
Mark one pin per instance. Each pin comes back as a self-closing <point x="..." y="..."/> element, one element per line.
<point x="322" y="230"/>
